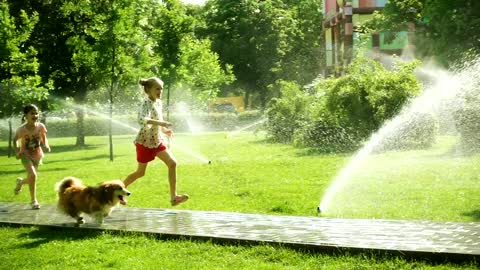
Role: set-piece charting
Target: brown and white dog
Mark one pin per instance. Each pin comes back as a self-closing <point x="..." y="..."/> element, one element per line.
<point x="75" y="198"/>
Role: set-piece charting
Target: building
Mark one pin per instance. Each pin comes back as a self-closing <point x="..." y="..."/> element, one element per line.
<point x="341" y="21"/>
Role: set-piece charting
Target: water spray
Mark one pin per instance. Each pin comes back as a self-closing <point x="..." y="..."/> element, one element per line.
<point x="236" y="132"/>
<point x="104" y="116"/>
<point x="444" y="86"/>
<point x="190" y="153"/>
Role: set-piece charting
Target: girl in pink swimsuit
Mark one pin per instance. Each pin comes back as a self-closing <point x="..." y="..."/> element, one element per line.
<point x="32" y="135"/>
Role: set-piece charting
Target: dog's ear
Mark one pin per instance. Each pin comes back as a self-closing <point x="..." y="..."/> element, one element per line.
<point x="106" y="191"/>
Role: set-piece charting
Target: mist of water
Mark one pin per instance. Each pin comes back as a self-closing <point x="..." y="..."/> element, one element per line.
<point x="104" y="116"/>
<point x="183" y="109"/>
<point x="241" y="129"/>
<point x="92" y="111"/>
<point x="4" y="124"/>
<point x="442" y="93"/>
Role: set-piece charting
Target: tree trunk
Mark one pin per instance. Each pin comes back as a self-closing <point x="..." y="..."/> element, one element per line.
<point x="80" y="112"/>
<point x="10" y="139"/>
<point x="247" y="99"/>
<point x="80" y="99"/>
<point x="263" y="99"/>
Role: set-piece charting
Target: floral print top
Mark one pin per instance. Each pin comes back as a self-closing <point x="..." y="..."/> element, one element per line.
<point x="149" y="136"/>
<point x="30" y="140"/>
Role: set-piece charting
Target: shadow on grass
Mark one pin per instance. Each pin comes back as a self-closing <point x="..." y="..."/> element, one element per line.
<point x="475" y="215"/>
<point x="307" y="151"/>
<point x="303" y="152"/>
<point x="66" y="159"/>
<point x="43" y="235"/>
<point x="71" y="148"/>
<point x="56" y="149"/>
<point x="101" y="156"/>
<point x="14" y="173"/>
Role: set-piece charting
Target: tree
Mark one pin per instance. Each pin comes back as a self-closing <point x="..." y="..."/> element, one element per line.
<point x="445" y="30"/>
<point x="19" y="79"/>
<point x="265" y="41"/>
<point x="303" y="63"/>
<point x="169" y="24"/>
<point x="200" y="75"/>
<point x="75" y="41"/>
<point x="450" y="28"/>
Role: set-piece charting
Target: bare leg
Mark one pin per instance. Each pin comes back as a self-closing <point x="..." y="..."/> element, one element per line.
<point x="31" y="180"/>
<point x="169" y="160"/>
<point x="140" y="172"/>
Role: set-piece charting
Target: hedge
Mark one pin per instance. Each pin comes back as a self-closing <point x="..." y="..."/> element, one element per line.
<point x="123" y="125"/>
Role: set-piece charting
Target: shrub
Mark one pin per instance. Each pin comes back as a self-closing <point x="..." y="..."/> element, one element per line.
<point x="326" y="136"/>
<point x="287" y="113"/>
<point x="338" y="114"/>
<point x="369" y="94"/>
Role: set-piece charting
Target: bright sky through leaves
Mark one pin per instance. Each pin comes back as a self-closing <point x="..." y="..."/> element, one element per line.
<point x="195" y="2"/>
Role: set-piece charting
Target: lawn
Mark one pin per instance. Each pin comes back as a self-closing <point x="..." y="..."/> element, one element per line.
<point x="246" y="174"/>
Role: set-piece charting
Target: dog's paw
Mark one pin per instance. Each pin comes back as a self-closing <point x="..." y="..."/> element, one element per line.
<point x="80" y="220"/>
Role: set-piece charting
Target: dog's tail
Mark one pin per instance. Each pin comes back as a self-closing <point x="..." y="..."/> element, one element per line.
<point x="67" y="182"/>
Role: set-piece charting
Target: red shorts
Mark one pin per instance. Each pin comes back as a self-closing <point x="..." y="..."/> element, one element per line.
<point x="145" y="154"/>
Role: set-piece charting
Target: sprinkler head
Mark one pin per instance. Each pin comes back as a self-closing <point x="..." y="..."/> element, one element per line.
<point x="209" y="162"/>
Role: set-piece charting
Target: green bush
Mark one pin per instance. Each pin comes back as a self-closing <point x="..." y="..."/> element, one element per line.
<point x="369" y="94"/>
<point x="326" y="136"/>
<point x="287" y="113"/>
<point x="338" y="114"/>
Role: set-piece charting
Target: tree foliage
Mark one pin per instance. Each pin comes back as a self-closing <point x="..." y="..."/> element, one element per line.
<point x="19" y="79"/>
<point x="94" y="49"/>
<point x="265" y="41"/>
<point x="451" y="29"/>
<point x="445" y="30"/>
<point x="200" y="74"/>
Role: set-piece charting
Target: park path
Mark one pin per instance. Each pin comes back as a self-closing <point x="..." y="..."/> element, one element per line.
<point x="425" y="239"/>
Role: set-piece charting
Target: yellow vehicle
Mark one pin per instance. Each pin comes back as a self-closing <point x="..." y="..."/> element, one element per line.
<point x="228" y="104"/>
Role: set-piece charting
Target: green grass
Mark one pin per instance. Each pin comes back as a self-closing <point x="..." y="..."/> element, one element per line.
<point x="246" y="175"/>
<point x="436" y="184"/>
<point x="44" y="248"/>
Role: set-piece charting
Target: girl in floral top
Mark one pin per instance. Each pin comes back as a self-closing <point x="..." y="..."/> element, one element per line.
<point x="32" y="134"/>
<point x="149" y="142"/>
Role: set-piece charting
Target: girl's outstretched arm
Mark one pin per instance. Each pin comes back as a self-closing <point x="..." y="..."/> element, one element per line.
<point x="158" y="122"/>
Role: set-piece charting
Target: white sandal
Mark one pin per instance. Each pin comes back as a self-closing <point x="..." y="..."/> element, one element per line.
<point x="18" y="186"/>
<point x="35" y="205"/>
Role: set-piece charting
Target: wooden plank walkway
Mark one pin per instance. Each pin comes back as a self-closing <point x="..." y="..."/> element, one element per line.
<point x="426" y="239"/>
